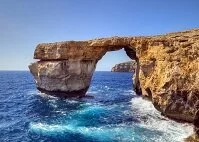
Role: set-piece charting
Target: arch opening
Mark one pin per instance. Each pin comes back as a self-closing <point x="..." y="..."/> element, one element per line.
<point x="131" y="53"/>
<point x="110" y="86"/>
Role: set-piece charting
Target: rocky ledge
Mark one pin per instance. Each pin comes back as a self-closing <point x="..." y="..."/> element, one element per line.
<point x="167" y="69"/>
<point x="124" y="67"/>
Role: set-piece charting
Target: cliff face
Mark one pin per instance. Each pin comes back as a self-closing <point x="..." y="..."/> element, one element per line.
<point x="124" y="67"/>
<point x="167" y="69"/>
<point x="64" y="77"/>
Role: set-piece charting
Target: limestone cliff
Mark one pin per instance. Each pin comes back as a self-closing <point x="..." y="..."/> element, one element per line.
<point x="167" y="68"/>
<point x="59" y="77"/>
<point x="124" y="67"/>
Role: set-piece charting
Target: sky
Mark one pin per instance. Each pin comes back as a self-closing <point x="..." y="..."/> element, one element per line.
<point x="26" y="23"/>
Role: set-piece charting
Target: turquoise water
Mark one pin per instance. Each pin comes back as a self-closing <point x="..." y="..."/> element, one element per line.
<point x="114" y="113"/>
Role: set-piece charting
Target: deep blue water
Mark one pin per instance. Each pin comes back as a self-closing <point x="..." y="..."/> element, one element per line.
<point x="114" y="113"/>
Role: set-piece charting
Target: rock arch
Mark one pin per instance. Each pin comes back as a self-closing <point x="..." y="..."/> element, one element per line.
<point x="167" y="68"/>
<point x="66" y="68"/>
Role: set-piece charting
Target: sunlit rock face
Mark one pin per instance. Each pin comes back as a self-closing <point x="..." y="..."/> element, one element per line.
<point x="63" y="78"/>
<point x="169" y="72"/>
<point x="167" y="69"/>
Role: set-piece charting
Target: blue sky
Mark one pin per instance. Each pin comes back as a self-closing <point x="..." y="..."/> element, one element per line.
<point x="25" y="23"/>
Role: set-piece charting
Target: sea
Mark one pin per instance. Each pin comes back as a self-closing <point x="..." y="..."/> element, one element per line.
<point x="111" y="112"/>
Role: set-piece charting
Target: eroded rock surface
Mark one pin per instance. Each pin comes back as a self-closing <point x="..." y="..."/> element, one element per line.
<point x="65" y="77"/>
<point x="167" y="68"/>
<point x="124" y="67"/>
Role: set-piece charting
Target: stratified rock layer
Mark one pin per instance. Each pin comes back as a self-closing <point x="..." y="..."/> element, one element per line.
<point x="124" y="67"/>
<point x="57" y="77"/>
<point x="167" y="68"/>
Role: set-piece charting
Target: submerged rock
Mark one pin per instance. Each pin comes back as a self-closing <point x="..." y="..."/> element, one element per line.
<point x="124" y="67"/>
<point x="167" y="68"/>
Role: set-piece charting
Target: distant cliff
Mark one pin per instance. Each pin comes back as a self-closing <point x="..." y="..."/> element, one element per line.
<point x="125" y="67"/>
